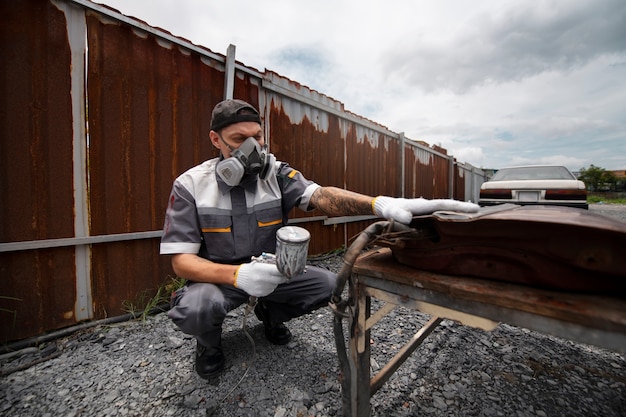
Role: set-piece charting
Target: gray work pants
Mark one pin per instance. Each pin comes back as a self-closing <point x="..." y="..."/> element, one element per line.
<point x="199" y="308"/>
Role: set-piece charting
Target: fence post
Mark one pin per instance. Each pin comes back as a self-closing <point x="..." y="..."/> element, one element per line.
<point x="229" y="72"/>
<point x="402" y="163"/>
<point x="76" y="30"/>
<point x="451" y="177"/>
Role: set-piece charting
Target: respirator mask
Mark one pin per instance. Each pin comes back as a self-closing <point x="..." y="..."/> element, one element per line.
<point x="249" y="159"/>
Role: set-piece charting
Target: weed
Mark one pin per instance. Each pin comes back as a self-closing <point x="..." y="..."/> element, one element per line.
<point x="144" y="304"/>
<point x="13" y="312"/>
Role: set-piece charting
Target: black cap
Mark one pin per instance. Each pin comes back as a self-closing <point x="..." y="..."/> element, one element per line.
<point x="232" y="111"/>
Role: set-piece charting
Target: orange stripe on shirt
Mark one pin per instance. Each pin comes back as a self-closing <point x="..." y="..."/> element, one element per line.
<point x="272" y="223"/>
<point x="216" y="230"/>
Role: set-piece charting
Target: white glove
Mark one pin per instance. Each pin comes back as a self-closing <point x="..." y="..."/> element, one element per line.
<point x="402" y="209"/>
<point x="258" y="279"/>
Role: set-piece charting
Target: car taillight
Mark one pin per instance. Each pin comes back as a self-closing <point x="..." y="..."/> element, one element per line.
<point x="500" y="193"/>
<point x="566" y="194"/>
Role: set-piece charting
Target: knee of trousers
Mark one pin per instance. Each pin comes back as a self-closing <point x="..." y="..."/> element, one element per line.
<point x="198" y="309"/>
<point x="321" y="285"/>
<point x="326" y="278"/>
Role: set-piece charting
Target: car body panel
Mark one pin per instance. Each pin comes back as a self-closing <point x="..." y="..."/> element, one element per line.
<point x="546" y="247"/>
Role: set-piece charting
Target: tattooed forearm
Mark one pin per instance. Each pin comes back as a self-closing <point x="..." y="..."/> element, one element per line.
<point x="338" y="202"/>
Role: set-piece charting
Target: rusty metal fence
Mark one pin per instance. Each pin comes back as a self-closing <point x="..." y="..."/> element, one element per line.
<point x="101" y="112"/>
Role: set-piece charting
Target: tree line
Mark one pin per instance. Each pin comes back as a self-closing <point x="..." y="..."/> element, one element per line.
<point x="599" y="179"/>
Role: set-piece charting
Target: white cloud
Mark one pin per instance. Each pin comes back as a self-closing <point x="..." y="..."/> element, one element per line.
<point x="494" y="82"/>
<point x="512" y="45"/>
<point x="471" y="153"/>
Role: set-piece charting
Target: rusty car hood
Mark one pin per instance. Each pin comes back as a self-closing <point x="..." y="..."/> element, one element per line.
<point x="544" y="246"/>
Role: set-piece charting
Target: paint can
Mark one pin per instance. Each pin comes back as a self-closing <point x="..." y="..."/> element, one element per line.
<point x="292" y="248"/>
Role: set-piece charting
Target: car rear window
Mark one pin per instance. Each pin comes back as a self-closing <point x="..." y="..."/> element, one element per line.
<point x="533" y="173"/>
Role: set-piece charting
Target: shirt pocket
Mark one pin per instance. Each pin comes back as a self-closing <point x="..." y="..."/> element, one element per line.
<point x="268" y="222"/>
<point x="217" y="232"/>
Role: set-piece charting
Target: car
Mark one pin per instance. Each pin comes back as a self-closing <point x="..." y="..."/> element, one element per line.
<point x="534" y="185"/>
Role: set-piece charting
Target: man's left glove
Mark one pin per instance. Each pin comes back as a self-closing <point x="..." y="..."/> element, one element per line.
<point x="403" y="209"/>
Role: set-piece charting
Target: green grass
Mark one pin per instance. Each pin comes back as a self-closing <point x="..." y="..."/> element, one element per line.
<point x="144" y="303"/>
<point x="594" y="199"/>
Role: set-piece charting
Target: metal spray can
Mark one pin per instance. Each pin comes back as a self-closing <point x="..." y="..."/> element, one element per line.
<point x="292" y="248"/>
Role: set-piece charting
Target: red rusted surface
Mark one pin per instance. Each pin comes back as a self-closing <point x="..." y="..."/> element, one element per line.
<point x="150" y="107"/>
<point x="426" y="174"/>
<point x="36" y="145"/>
<point x="301" y="145"/>
<point x="35" y="168"/>
<point x="550" y="247"/>
<point x="459" y="184"/>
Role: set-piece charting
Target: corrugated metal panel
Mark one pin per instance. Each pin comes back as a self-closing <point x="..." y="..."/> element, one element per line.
<point x="459" y="184"/>
<point x="35" y="168"/>
<point x="150" y="105"/>
<point x="36" y="144"/>
<point x="441" y="178"/>
<point x="427" y="172"/>
<point x="418" y="172"/>
<point x="472" y="178"/>
<point x="373" y="162"/>
<point x="296" y="139"/>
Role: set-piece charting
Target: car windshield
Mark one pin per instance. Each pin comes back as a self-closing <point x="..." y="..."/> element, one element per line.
<point x="533" y="173"/>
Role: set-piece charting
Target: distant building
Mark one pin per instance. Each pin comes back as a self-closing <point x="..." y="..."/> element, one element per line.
<point x="620" y="174"/>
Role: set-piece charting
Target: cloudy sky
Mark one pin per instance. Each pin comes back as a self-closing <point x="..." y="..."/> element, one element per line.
<point x="495" y="82"/>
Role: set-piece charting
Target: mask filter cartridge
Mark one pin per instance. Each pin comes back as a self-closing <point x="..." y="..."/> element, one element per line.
<point x="249" y="159"/>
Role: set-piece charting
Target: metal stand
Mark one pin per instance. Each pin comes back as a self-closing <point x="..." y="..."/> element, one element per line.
<point x="478" y="303"/>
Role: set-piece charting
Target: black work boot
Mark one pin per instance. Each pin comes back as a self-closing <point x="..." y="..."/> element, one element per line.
<point x="276" y="333"/>
<point x="209" y="361"/>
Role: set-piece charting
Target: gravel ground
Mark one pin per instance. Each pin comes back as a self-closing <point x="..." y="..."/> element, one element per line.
<point x="145" y="368"/>
<point x="616" y="211"/>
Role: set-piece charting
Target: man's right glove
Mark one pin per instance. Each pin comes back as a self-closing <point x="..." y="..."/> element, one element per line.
<point x="403" y="209"/>
<point x="258" y="279"/>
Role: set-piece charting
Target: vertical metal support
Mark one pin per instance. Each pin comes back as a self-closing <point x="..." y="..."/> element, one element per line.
<point x="229" y="73"/>
<point x="360" y="351"/>
<point x="402" y="163"/>
<point x="478" y="177"/>
<point x="474" y="181"/>
<point x="77" y="35"/>
<point x="451" y="177"/>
